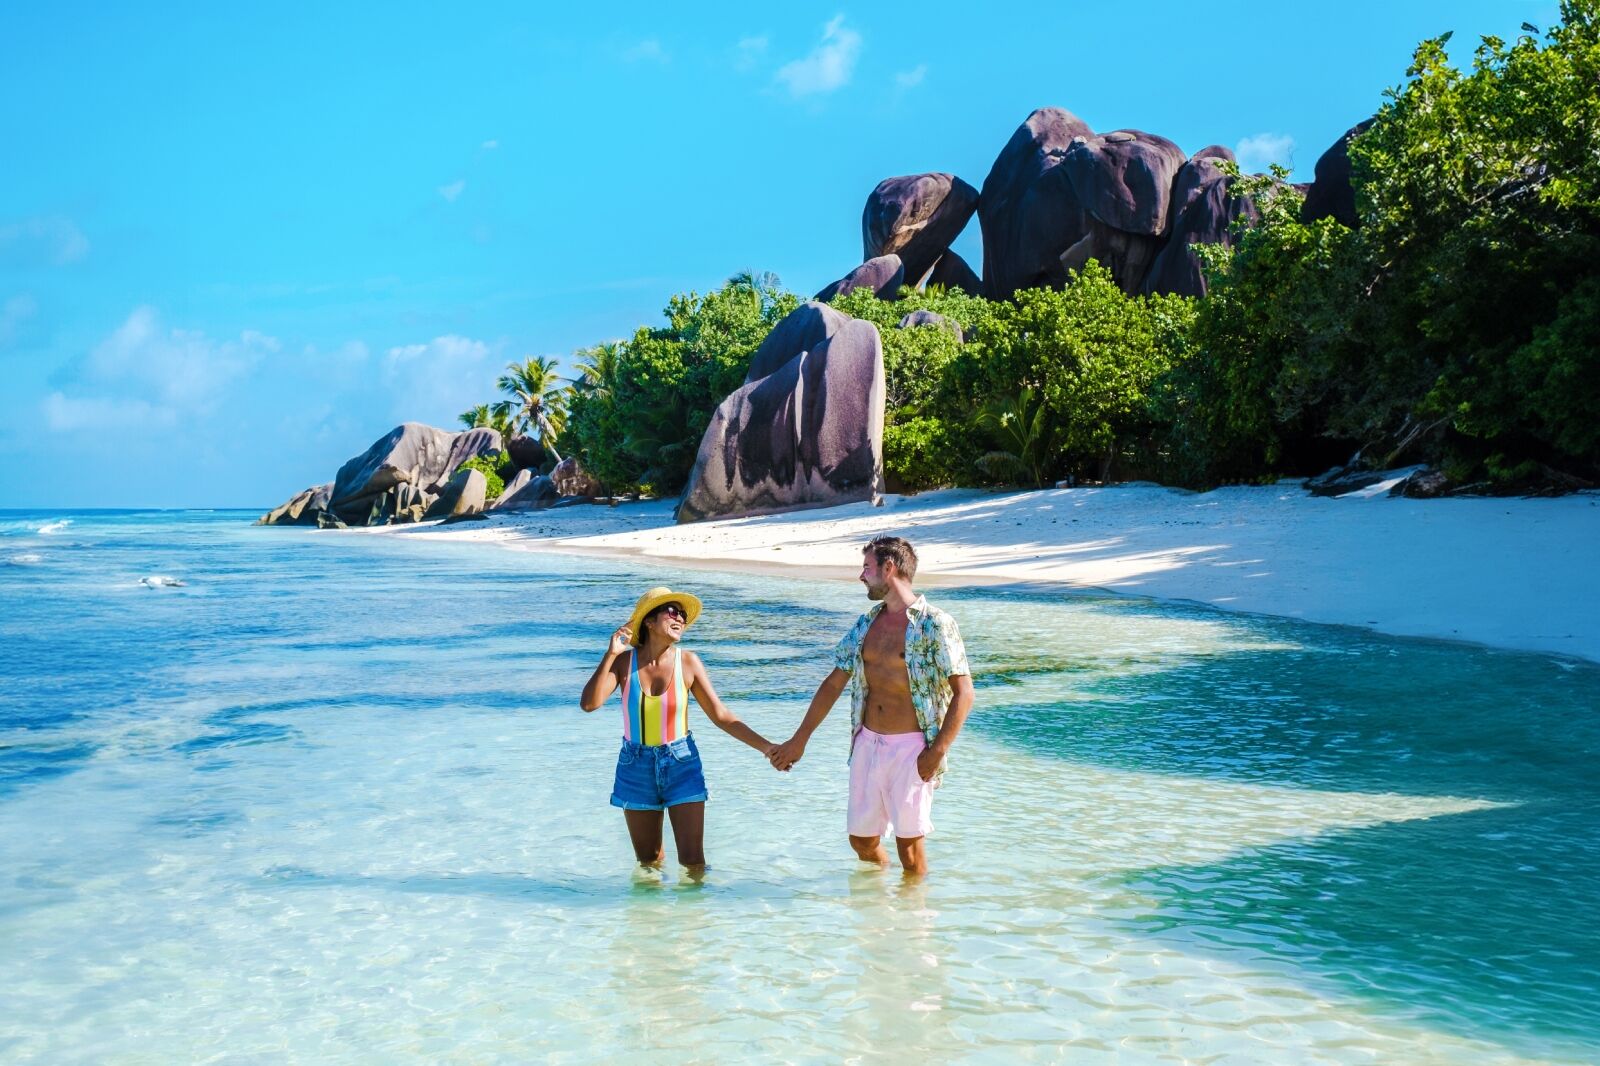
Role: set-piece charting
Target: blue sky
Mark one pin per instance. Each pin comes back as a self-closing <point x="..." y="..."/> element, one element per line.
<point x="237" y="247"/>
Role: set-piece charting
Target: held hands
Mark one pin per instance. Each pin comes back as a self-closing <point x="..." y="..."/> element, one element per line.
<point x="784" y="756"/>
<point x="621" y="640"/>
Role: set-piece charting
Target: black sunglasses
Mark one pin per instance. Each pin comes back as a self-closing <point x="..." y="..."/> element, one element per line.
<point x="672" y="608"/>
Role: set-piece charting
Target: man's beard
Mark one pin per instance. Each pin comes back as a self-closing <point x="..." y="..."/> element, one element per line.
<point x="878" y="592"/>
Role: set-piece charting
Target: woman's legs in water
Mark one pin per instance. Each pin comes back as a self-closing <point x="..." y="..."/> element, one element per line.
<point x="689" y="834"/>
<point x="644" y="828"/>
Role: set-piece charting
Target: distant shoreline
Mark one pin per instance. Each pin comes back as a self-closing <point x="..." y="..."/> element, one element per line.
<point x="1512" y="573"/>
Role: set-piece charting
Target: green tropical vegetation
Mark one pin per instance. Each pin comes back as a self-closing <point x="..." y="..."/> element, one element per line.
<point x="495" y="468"/>
<point x="639" y="407"/>
<point x="534" y="402"/>
<point x="483" y="416"/>
<point x="1457" y="324"/>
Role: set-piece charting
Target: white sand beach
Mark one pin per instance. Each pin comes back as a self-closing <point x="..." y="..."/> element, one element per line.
<point x="1506" y="572"/>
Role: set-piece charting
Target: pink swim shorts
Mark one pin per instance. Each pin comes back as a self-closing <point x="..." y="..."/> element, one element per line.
<point x="886" y="792"/>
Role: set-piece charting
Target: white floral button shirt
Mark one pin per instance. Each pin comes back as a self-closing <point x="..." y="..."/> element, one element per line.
<point x="934" y="654"/>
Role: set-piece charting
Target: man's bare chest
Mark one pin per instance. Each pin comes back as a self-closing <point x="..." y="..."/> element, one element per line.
<point x="885" y="645"/>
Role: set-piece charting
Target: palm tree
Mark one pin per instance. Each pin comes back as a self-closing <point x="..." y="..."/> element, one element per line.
<point x="1029" y="441"/>
<point x="534" y="399"/>
<point x="485" y="416"/>
<point x="657" y="437"/>
<point x="598" y="366"/>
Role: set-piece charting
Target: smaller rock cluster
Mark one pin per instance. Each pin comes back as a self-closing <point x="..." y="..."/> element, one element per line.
<point x="413" y="473"/>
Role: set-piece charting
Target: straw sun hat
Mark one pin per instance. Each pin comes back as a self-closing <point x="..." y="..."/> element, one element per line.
<point x="655" y="598"/>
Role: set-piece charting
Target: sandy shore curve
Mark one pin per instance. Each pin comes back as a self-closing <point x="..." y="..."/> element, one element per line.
<point x="1507" y="572"/>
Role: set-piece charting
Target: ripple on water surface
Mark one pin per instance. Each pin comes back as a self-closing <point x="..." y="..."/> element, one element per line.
<point x="332" y="796"/>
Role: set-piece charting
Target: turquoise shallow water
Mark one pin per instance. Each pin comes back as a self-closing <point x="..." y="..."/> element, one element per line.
<point x="332" y="800"/>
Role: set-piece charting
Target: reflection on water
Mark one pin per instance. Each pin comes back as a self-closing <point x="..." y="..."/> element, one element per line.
<point x="333" y="798"/>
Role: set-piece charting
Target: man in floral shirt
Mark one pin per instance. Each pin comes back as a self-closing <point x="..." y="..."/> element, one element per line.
<point x="910" y="691"/>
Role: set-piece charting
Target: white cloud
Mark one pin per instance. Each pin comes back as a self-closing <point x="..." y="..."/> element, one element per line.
<point x="828" y="67"/>
<point x="1257" y="152"/>
<point x="59" y="239"/>
<point x="749" y="51"/>
<point x="347" y="366"/>
<point x="489" y="145"/>
<point x="910" y="79"/>
<point x="178" y="368"/>
<point x="146" y="375"/>
<point x="648" y="50"/>
<point x="453" y="190"/>
<point x="67" y="414"/>
<point x="436" y="381"/>
<point x="13" y="313"/>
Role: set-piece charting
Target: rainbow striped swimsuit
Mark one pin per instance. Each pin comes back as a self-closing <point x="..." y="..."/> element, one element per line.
<point x="659" y="719"/>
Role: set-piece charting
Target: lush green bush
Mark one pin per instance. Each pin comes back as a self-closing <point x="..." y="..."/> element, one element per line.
<point x="924" y="452"/>
<point x="1259" y="386"/>
<point x="637" y="421"/>
<point x="1480" y="197"/>
<point x="1091" y="358"/>
<point x="494" y="467"/>
<point x="926" y="440"/>
<point x="1456" y="322"/>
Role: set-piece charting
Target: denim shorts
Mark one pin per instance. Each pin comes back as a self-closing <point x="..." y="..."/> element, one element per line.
<point x="653" y="777"/>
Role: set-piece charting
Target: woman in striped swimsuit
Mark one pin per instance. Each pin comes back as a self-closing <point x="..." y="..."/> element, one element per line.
<point x="658" y="769"/>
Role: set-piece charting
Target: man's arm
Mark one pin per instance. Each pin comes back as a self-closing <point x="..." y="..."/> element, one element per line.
<point x="789" y="752"/>
<point x="960" y="704"/>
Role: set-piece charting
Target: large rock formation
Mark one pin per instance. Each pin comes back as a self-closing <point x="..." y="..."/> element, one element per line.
<point x="464" y="493"/>
<point x="883" y="275"/>
<point x="409" y="453"/>
<point x="530" y="494"/>
<point x="916" y="217"/>
<point x="364" y="492"/>
<point x="510" y="488"/>
<point x="1059" y="195"/>
<point x="468" y="445"/>
<point x="1203" y="213"/>
<point x="1026" y="230"/>
<point x="1124" y="178"/>
<point x="807" y="433"/>
<point x="1331" y="195"/>
<point x="800" y="330"/>
<point x="526" y="453"/>
<point x="952" y="272"/>
<point x="1122" y="182"/>
<point x="301" y="509"/>
<point x="571" y="479"/>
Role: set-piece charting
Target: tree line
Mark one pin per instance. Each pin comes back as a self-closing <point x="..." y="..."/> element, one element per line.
<point x="1456" y="324"/>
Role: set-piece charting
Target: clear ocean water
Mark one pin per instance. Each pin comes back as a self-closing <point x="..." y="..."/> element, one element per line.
<point x="331" y="799"/>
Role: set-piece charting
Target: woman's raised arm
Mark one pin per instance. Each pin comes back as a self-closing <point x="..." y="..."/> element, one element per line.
<point x="604" y="680"/>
